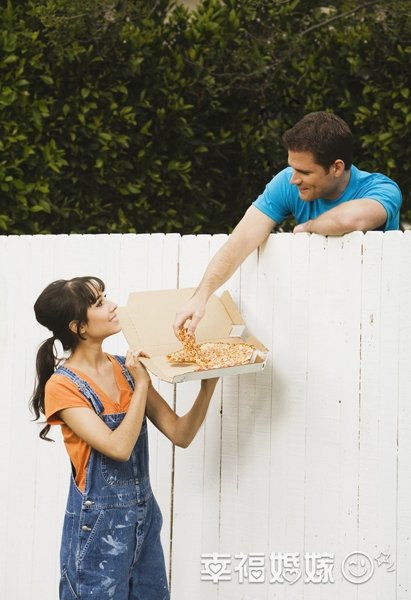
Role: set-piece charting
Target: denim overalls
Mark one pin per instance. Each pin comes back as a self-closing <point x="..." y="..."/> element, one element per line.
<point x="111" y="535"/>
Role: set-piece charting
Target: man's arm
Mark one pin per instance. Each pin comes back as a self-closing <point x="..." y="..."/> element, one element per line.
<point x="363" y="214"/>
<point x="250" y="232"/>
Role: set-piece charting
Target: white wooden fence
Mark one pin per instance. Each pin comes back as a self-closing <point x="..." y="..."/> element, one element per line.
<point x="295" y="468"/>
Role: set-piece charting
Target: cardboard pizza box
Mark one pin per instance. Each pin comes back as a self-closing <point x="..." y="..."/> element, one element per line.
<point x="147" y="320"/>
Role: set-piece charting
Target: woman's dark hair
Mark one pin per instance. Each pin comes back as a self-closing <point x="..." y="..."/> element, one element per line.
<point x="325" y="135"/>
<point x="61" y="303"/>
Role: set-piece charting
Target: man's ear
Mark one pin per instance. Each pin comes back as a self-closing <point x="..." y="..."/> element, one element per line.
<point x="338" y="168"/>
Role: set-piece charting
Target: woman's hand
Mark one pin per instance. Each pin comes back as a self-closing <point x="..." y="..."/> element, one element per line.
<point x="136" y="367"/>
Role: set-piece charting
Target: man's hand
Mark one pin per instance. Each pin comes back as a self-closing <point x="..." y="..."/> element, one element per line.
<point x="193" y="310"/>
<point x="302" y="228"/>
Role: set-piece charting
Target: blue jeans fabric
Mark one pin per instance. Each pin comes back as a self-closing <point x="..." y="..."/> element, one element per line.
<point x="111" y="545"/>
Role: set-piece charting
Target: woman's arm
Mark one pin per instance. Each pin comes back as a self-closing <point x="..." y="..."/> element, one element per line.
<point x="117" y="444"/>
<point x="180" y="430"/>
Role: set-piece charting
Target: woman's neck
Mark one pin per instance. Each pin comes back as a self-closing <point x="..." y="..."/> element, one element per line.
<point x="88" y="357"/>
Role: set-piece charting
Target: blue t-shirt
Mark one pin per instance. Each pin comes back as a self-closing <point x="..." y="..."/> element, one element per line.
<point x="281" y="199"/>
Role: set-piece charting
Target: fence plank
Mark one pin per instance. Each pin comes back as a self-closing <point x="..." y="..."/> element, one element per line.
<point x="162" y="274"/>
<point x="6" y="413"/>
<point x="288" y="265"/>
<point x="192" y="534"/>
<point x="377" y="311"/>
<point x="402" y="553"/>
<point x="21" y="468"/>
<point x="348" y="396"/>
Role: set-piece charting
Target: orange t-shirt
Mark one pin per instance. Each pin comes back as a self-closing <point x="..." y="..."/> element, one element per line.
<point x="62" y="393"/>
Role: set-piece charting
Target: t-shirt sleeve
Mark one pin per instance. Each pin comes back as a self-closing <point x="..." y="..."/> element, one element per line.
<point x="275" y="201"/>
<point x="61" y="393"/>
<point x="386" y="192"/>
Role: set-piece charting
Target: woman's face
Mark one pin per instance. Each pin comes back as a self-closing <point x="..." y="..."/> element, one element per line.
<point x="102" y="319"/>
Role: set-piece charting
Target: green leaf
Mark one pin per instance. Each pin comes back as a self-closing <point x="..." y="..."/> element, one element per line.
<point x="47" y="79"/>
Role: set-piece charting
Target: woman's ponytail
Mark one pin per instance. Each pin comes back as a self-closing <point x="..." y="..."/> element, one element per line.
<point x="46" y="362"/>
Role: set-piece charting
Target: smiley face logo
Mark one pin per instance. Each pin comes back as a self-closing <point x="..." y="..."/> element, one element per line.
<point x="357" y="567"/>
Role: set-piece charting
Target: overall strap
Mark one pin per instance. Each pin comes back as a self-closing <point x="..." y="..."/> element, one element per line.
<point x="122" y="362"/>
<point x="83" y="387"/>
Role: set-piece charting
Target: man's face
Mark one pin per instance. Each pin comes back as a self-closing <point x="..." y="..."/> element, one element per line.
<point x="313" y="180"/>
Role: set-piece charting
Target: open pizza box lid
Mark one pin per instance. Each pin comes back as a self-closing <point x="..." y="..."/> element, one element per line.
<point x="147" y="320"/>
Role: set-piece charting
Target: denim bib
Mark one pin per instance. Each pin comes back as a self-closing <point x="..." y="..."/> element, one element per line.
<point x="111" y="534"/>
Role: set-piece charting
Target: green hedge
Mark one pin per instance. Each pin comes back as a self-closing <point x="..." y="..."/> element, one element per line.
<point x="119" y="116"/>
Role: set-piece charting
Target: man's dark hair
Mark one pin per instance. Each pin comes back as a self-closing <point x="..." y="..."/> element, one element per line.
<point x="325" y="135"/>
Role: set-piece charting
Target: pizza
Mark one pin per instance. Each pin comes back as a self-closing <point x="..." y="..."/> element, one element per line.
<point x="210" y="355"/>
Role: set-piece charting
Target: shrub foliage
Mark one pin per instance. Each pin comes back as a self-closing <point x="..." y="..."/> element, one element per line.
<point x="135" y="116"/>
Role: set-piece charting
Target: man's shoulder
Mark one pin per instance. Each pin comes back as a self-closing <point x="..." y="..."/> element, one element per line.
<point x="277" y="201"/>
<point x="380" y="187"/>
<point x="370" y="177"/>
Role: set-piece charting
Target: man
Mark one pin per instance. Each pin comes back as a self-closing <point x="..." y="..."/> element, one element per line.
<point x="323" y="191"/>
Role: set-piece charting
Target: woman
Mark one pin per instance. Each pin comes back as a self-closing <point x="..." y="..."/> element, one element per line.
<point x="111" y="535"/>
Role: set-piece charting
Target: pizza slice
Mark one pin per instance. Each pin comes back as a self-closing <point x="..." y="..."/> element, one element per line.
<point x="210" y="355"/>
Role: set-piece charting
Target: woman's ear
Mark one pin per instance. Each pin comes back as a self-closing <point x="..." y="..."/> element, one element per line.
<point x="76" y="327"/>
